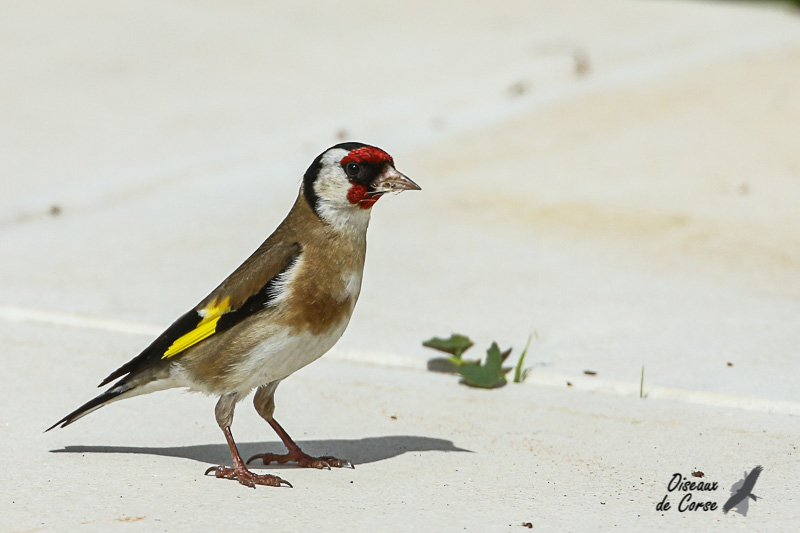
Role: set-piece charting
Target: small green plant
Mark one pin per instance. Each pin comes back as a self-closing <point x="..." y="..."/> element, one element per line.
<point x="487" y="375"/>
<point x="641" y="385"/>
<point x="521" y="375"/>
<point x="455" y="346"/>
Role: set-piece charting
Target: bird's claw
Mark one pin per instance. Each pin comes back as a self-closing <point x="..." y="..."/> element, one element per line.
<point x="302" y="459"/>
<point x="246" y="477"/>
<point x="336" y="463"/>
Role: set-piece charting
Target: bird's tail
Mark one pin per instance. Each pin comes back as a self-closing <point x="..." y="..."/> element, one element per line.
<point x="105" y="398"/>
<point x="754" y="497"/>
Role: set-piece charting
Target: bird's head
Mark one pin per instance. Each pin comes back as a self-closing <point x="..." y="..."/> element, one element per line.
<point x="347" y="179"/>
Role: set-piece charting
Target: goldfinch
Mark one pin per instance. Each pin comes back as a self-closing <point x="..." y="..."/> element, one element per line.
<point x="283" y="308"/>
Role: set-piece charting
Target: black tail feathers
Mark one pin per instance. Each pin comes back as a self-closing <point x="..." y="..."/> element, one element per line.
<point x="92" y="405"/>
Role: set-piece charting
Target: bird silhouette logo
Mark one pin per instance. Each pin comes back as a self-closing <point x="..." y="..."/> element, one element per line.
<point x="742" y="492"/>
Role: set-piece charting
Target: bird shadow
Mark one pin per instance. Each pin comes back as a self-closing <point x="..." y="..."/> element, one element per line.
<point x="357" y="451"/>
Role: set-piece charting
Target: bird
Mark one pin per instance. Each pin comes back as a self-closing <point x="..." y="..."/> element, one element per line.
<point x="284" y="307"/>
<point x="745" y="491"/>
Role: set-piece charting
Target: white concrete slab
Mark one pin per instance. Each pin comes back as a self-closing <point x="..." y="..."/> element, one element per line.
<point x="620" y="177"/>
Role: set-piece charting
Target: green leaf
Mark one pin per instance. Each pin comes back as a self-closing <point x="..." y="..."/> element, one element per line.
<point x="519" y="374"/>
<point x="488" y="375"/>
<point x="455" y="346"/>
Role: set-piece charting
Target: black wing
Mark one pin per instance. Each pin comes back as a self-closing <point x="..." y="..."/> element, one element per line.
<point x="211" y="317"/>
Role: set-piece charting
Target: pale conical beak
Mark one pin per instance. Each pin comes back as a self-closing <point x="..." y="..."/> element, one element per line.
<point x="391" y="180"/>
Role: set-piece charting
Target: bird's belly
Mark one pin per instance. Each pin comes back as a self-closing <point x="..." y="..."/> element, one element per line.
<point x="282" y="354"/>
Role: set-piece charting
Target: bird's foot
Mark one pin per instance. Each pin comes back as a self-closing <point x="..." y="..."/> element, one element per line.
<point x="302" y="459"/>
<point x="246" y="477"/>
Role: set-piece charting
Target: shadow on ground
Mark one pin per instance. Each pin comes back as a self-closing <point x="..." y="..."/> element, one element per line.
<point x="360" y="451"/>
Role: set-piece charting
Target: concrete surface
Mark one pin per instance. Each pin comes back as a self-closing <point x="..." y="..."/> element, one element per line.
<point x="621" y="177"/>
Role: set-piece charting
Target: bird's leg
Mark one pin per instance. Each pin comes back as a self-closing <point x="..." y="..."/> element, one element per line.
<point x="239" y="472"/>
<point x="296" y="454"/>
<point x="264" y="403"/>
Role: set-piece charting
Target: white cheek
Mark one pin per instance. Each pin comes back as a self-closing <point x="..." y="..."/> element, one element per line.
<point x="332" y="185"/>
<point x="332" y="189"/>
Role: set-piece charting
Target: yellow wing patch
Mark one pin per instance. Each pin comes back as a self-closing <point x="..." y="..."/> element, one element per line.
<point x="211" y="315"/>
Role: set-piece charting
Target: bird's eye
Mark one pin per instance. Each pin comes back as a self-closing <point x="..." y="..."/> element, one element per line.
<point x="352" y="169"/>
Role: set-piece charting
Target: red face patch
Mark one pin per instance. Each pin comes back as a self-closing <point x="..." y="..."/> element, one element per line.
<point x="358" y="195"/>
<point x="366" y="203"/>
<point x="367" y="154"/>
